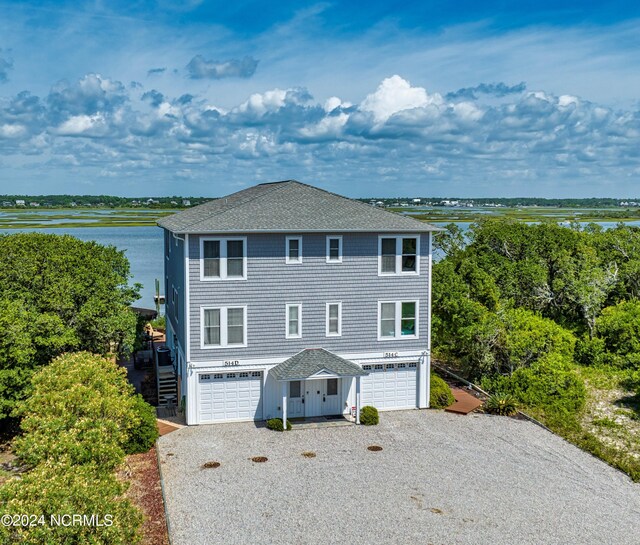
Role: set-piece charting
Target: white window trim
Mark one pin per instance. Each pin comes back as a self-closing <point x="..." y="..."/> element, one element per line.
<point x="286" y="323"/>
<point x="223" y="328"/>
<point x="327" y="332"/>
<point x="223" y="259"/>
<point x="286" y="251"/>
<point x="339" y="237"/>
<point x="398" y="325"/>
<point x="399" y="271"/>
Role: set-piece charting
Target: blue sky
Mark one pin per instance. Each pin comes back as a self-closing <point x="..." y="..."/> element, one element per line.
<point x="413" y="98"/>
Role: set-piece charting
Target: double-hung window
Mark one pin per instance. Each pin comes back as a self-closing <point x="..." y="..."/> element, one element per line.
<point x="398" y="255"/>
<point x="334" y="249"/>
<point x="293" y="250"/>
<point x="334" y="319"/>
<point x="223" y="258"/>
<point x="294" y="321"/>
<point x="397" y="320"/>
<point x="224" y="327"/>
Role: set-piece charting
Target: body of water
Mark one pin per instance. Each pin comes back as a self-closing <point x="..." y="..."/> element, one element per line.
<point x="143" y="246"/>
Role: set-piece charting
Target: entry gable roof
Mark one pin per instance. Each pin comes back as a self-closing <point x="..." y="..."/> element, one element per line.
<point x="288" y="206"/>
<point x="315" y="361"/>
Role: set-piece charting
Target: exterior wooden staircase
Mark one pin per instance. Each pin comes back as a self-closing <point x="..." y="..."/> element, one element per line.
<point x="166" y="379"/>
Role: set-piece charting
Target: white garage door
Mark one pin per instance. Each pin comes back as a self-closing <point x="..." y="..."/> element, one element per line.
<point x="389" y="385"/>
<point x="226" y="397"/>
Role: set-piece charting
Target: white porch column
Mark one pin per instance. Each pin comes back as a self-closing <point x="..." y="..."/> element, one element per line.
<point x="284" y="404"/>
<point x="358" y="399"/>
<point x="427" y="357"/>
<point x="191" y="415"/>
<point x="423" y="381"/>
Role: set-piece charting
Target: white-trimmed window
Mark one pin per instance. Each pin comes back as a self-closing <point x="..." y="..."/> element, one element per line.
<point x="334" y="249"/>
<point x="398" y="255"/>
<point x="223" y="258"/>
<point x="167" y="244"/>
<point x="294" y="321"/>
<point x="397" y="320"/>
<point x="334" y="319"/>
<point x="224" y="327"/>
<point x="293" y="250"/>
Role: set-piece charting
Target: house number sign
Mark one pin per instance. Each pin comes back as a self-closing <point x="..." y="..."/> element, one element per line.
<point x="390" y="354"/>
<point x="231" y="363"/>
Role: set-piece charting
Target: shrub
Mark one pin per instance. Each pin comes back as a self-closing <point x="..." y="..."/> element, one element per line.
<point x="81" y="410"/>
<point x="550" y="387"/>
<point x="275" y="424"/>
<point x="590" y="351"/>
<point x="143" y="435"/>
<point x="619" y="327"/>
<point x="54" y="490"/>
<point x="440" y="396"/>
<point x="502" y="404"/>
<point x="369" y="416"/>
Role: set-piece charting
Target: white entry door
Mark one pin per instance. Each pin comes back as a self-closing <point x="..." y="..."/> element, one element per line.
<point x="313" y="390"/>
<point x="295" y="400"/>
<point x="331" y="404"/>
<point x="228" y="397"/>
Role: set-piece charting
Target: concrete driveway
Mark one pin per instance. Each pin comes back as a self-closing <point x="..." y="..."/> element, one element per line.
<point x="440" y="479"/>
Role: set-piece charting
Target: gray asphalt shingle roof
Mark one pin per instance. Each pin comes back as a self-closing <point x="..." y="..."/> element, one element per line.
<point x="288" y="206"/>
<point x="313" y="360"/>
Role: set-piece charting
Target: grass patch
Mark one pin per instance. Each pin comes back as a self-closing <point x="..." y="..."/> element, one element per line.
<point x="86" y="218"/>
<point x="523" y="214"/>
<point x="608" y="423"/>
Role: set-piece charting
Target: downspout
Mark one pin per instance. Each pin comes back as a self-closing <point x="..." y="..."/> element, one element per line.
<point x="428" y="354"/>
<point x="187" y="334"/>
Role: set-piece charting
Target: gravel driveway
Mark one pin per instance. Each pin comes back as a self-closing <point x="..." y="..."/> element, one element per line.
<point x="440" y="479"/>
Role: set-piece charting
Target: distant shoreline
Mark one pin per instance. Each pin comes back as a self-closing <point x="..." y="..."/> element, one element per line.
<point x="65" y="218"/>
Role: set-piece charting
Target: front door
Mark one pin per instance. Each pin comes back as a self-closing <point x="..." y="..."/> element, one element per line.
<point x="330" y="398"/>
<point x="314" y="390"/>
<point x="295" y="401"/>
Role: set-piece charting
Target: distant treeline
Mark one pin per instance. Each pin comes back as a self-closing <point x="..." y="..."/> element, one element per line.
<point x="110" y="201"/>
<point x="593" y="202"/>
<point x="98" y="201"/>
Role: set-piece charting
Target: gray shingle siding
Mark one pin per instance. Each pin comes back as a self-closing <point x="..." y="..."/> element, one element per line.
<point x="174" y="270"/>
<point x="271" y="283"/>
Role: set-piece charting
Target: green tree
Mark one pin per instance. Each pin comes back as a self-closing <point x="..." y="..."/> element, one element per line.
<point x="58" y="294"/>
<point x="528" y="337"/>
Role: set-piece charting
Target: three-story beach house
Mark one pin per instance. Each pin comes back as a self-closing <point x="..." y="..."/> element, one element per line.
<point x="284" y="300"/>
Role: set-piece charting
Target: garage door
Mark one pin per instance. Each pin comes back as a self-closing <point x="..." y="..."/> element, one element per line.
<point x="228" y="397"/>
<point x="389" y="385"/>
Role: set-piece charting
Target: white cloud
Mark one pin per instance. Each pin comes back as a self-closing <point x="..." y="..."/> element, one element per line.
<point x="398" y="132"/>
<point x="12" y="130"/>
<point x="395" y="95"/>
<point x="567" y="100"/>
<point x="82" y="124"/>
<point x="260" y="104"/>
